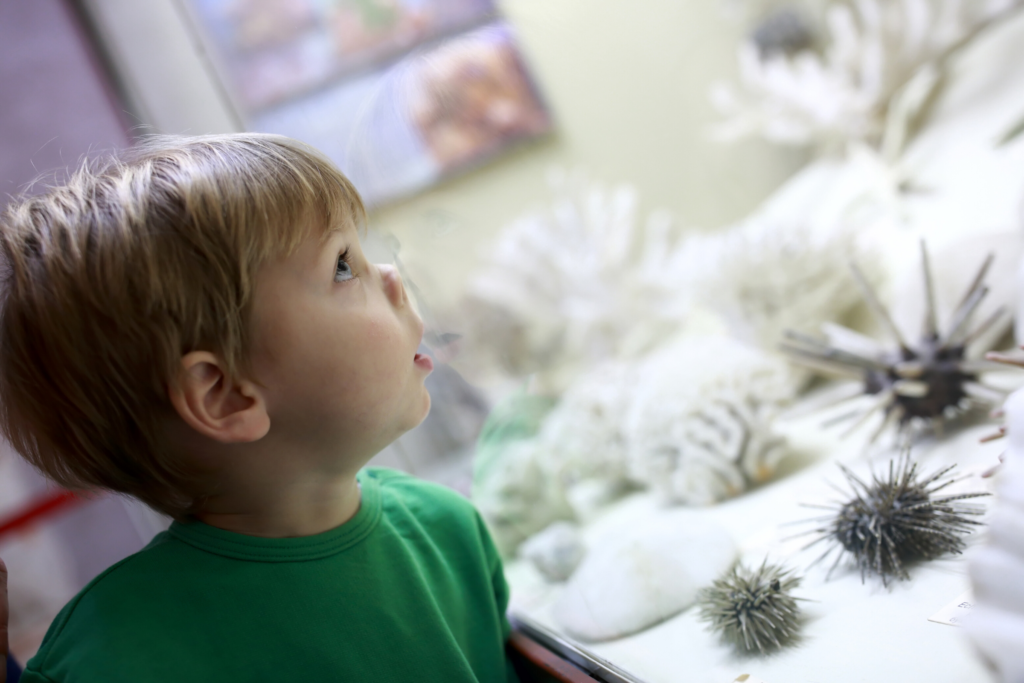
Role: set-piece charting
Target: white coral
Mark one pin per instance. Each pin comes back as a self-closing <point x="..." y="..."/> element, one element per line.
<point x="517" y="498"/>
<point x="585" y="433"/>
<point x="765" y="279"/>
<point x="877" y="66"/>
<point x="700" y="428"/>
<point x="577" y="282"/>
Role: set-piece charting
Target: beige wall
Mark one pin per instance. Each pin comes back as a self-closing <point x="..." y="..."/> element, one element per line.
<point x="628" y="83"/>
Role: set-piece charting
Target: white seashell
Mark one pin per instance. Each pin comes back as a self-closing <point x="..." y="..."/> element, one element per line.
<point x="700" y="428"/>
<point x="1018" y="311"/>
<point x="997" y="570"/>
<point x="629" y="582"/>
<point x="556" y="551"/>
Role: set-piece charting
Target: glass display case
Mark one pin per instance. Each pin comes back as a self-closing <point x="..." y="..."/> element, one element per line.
<point x="767" y="394"/>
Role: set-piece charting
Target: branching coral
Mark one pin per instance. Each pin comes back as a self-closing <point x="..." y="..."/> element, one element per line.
<point x="585" y="433"/>
<point x="579" y="281"/>
<point x="764" y="279"/>
<point x="867" y="78"/>
<point x="700" y="427"/>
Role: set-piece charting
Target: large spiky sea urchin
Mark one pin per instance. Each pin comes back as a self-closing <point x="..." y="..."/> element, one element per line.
<point x="752" y="608"/>
<point x="911" y="385"/>
<point x="897" y="518"/>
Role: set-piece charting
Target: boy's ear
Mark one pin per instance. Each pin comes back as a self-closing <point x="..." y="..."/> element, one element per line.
<point x="216" y="406"/>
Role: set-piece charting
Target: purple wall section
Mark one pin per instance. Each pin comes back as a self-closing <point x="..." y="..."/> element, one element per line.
<point x="56" y="105"/>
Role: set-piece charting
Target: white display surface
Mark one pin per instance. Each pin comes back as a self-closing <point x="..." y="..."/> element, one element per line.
<point x="854" y="631"/>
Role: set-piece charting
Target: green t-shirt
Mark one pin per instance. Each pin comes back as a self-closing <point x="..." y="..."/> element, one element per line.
<point x="410" y="589"/>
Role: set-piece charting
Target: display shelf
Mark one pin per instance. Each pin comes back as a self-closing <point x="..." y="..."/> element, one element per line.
<point x="853" y="631"/>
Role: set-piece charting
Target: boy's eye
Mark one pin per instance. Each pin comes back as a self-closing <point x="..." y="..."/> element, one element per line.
<point x="343" y="271"/>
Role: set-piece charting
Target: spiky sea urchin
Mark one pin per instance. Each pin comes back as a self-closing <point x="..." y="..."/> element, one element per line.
<point x="897" y="519"/>
<point x="926" y="383"/>
<point x="752" y="608"/>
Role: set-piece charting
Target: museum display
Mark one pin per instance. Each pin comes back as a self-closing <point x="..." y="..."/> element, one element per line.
<point x="658" y="398"/>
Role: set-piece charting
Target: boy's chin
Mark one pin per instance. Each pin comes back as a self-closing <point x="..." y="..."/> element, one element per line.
<point x="415" y="417"/>
<point x="426" y="408"/>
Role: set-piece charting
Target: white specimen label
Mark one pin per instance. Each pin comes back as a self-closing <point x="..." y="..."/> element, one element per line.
<point x="955" y="612"/>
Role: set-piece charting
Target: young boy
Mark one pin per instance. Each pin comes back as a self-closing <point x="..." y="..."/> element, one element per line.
<point x="195" y="325"/>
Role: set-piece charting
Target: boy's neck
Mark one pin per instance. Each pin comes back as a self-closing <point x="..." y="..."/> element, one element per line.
<point x="302" y="507"/>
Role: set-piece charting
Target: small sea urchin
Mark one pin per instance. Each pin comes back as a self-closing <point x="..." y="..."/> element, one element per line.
<point x="752" y="609"/>
<point x="922" y="384"/>
<point x="896" y="519"/>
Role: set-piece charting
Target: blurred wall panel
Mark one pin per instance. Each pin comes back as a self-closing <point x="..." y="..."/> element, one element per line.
<point x="57" y="103"/>
<point x="161" y="66"/>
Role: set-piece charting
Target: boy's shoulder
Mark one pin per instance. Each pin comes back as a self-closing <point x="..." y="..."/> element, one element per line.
<point x="119" y="593"/>
<point x="398" y="486"/>
<point x="406" y="495"/>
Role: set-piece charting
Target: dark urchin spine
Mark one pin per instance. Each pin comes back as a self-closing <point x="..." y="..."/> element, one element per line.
<point x="912" y="384"/>
<point x="752" y="609"/>
<point x="898" y="519"/>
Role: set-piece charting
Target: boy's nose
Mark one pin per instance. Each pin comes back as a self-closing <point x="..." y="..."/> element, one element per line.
<point x="394" y="288"/>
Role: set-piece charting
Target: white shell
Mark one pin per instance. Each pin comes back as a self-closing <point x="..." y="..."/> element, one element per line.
<point x="629" y="582"/>
<point x="556" y="551"/>
<point x="700" y="428"/>
<point x="1018" y="312"/>
<point x="997" y="570"/>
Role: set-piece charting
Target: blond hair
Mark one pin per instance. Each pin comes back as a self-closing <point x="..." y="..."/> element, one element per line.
<point x="133" y="262"/>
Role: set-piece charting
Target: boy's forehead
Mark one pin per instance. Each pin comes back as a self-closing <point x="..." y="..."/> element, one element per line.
<point x="310" y="243"/>
<point x="343" y="228"/>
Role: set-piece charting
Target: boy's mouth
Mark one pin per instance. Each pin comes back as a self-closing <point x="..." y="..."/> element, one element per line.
<point x="424" y="361"/>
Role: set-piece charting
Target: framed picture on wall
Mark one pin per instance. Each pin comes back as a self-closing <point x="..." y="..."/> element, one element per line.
<point x="399" y="93"/>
